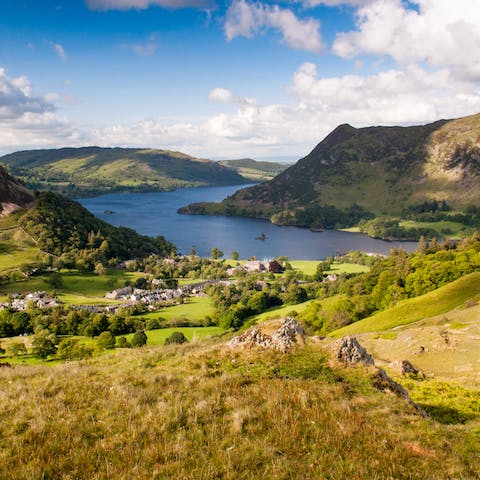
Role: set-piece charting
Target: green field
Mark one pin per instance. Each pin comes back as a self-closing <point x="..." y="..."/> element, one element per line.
<point x="195" y="308"/>
<point x="444" y="228"/>
<point x="157" y="337"/>
<point x="309" y="267"/>
<point x="439" y="301"/>
<point x="79" y="288"/>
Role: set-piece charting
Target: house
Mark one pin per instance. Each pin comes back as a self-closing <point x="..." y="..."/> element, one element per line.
<point x="119" y="293"/>
<point x="274" y="266"/>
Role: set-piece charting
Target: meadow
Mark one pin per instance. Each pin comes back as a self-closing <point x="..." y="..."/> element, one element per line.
<point x="203" y="411"/>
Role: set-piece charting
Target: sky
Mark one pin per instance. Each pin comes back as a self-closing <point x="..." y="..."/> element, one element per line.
<point x="230" y="78"/>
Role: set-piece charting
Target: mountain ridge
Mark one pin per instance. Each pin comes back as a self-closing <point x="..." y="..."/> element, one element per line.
<point x="96" y="170"/>
<point x="373" y="170"/>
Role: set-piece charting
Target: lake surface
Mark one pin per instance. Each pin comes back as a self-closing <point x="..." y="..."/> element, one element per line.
<point x="156" y="214"/>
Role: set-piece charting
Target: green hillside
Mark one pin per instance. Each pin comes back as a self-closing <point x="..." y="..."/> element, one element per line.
<point x="411" y="310"/>
<point x="255" y="170"/>
<point x="202" y="411"/>
<point x="356" y="174"/>
<point x="94" y="170"/>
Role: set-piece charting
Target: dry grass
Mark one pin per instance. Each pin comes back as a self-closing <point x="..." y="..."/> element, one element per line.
<point x="205" y="412"/>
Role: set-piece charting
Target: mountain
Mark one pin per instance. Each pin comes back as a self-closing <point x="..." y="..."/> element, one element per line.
<point x="365" y="172"/>
<point x="255" y="170"/>
<point x="13" y="195"/>
<point x="95" y="170"/>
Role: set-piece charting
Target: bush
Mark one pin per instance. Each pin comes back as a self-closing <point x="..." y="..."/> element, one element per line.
<point x="139" y="339"/>
<point x="154" y="323"/>
<point x="176" y="337"/>
<point x="122" y="342"/>
<point x="106" y="340"/>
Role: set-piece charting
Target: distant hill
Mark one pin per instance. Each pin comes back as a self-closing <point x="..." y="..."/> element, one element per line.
<point x="360" y="173"/>
<point x="255" y="170"/>
<point x="95" y="170"/>
<point x="13" y="195"/>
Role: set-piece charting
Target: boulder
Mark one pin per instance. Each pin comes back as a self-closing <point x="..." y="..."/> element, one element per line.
<point x="282" y="334"/>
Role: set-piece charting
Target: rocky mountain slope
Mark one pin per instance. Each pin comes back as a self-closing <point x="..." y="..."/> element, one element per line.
<point x="94" y="170"/>
<point x="357" y="173"/>
<point x="13" y="195"/>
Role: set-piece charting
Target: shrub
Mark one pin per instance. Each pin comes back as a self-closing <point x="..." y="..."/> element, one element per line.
<point x="176" y="337"/>
<point x="139" y="339"/>
<point x="106" y="340"/>
<point x="122" y="342"/>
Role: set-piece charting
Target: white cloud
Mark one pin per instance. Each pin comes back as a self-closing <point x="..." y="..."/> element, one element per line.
<point x="144" y="4"/>
<point x="146" y="49"/>
<point x="248" y="19"/>
<point x="393" y="97"/>
<point x="16" y="98"/>
<point x="335" y="3"/>
<point x="222" y="95"/>
<point x="28" y="120"/>
<point x="59" y="50"/>
<point x="442" y="33"/>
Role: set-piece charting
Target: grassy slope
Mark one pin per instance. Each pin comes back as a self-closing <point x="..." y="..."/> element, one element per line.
<point x="207" y="412"/>
<point x="411" y="310"/>
<point x="96" y="170"/>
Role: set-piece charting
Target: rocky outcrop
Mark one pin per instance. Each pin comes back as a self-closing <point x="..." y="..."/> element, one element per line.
<point x="350" y="352"/>
<point x="288" y="334"/>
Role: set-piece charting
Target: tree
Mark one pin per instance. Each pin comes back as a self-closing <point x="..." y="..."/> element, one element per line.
<point x="235" y="256"/>
<point x="139" y="339"/>
<point x="176" y="337"/>
<point x="106" y="340"/>
<point x="72" y="349"/>
<point x="216" y="253"/>
<point x="55" y="280"/>
<point x="100" y="270"/>
<point x="44" y="344"/>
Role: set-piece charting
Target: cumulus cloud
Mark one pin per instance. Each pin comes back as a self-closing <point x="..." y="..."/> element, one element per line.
<point x="16" y="98"/>
<point x="222" y="95"/>
<point x="144" y="4"/>
<point x="440" y="33"/>
<point x="245" y="19"/>
<point x="28" y="120"/>
<point x="412" y="95"/>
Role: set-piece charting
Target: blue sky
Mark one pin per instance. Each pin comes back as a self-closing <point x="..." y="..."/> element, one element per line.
<point x="227" y="79"/>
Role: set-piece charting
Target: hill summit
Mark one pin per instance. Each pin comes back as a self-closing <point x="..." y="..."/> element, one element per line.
<point x="357" y="173"/>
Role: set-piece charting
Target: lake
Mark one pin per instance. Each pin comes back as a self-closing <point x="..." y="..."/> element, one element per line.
<point x="156" y="214"/>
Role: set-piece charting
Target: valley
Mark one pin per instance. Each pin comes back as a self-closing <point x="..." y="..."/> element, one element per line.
<point x="102" y="327"/>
